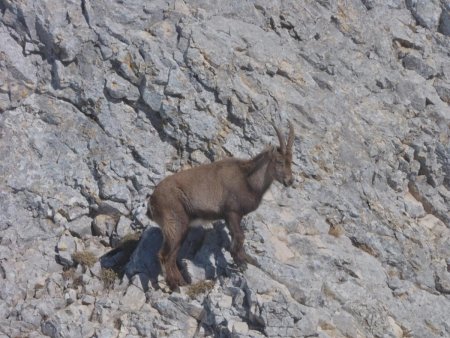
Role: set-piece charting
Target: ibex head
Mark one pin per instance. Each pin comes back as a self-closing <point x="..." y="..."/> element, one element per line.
<point x="283" y="157"/>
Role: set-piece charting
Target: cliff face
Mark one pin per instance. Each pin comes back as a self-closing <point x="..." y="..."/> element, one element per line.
<point x="101" y="99"/>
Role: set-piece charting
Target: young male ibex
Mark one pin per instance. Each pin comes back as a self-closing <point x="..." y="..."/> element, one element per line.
<point x="228" y="189"/>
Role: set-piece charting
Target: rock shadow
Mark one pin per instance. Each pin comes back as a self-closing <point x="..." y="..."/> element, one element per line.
<point x="139" y="258"/>
<point x="202" y="255"/>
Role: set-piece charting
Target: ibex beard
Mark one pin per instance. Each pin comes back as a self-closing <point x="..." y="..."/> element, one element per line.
<point x="228" y="189"/>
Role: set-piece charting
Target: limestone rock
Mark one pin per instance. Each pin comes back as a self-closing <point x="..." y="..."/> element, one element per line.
<point x="100" y="100"/>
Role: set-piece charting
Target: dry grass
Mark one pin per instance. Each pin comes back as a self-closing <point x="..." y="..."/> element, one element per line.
<point x="108" y="277"/>
<point x="336" y="230"/>
<point x="201" y="287"/>
<point x="85" y="258"/>
<point x="70" y="275"/>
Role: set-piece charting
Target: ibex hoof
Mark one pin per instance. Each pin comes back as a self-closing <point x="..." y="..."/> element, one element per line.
<point x="176" y="282"/>
<point x="242" y="267"/>
<point x="242" y="259"/>
<point x="238" y="267"/>
<point x="252" y="261"/>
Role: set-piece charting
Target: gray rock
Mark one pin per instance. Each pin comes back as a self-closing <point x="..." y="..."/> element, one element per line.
<point x="133" y="299"/>
<point x="70" y="296"/>
<point x="152" y="98"/>
<point x="415" y="63"/>
<point x="100" y="100"/>
<point x="443" y="90"/>
<point x="114" y="190"/>
<point x="443" y="282"/>
<point x="426" y="13"/>
<point x="123" y="227"/>
<point x="444" y="21"/>
<point x="81" y="227"/>
<point x="104" y="225"/>
<point x="51" y="329"/>
<point x="177" y="85"/>
<point x="106" y="333"/>
<point x="87" y="300"/>
<point x="144" y="260"/>
<point x="67" y="245"/>
<point x="119" y="88"/>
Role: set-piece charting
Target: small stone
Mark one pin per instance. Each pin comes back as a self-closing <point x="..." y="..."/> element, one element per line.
<point x="30" y="48"/>
<point x="443" y="282"/>
<point x="123" y="226"/>
<point x="87" y="300"/>
<point x="396" y="329"/>
<point x="224" y="302"/>
<point x="178" y="85"/>
<point x="133" y="299"/>
<point x="444" y="22"/>
<point x="196" y="273"/>
<point x="113" y="190"/>
<point x="413" y="207"/>
<point x="152" y="98"/>
<point x="119" y="88"/>
<point x="415" y="63"/>
<point x="70" y="296"/>
<point x="240" y="328"/>
<point x="81" y="227"/>
<point x="107" y="333"/>
<point x="51" y="329"/>
<point x="65" y="247"/>
<point x="103" y="225"/>
<point x="426" y="12"/>
<point x="443" y="90"/>
<point x="199" y="157"/>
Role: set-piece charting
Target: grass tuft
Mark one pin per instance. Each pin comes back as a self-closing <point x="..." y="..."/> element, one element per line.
<point x="336" y="230"/>
<point x="198" y="288"/>
<point x="85" y="258"/>
<point x="108" y="277"/>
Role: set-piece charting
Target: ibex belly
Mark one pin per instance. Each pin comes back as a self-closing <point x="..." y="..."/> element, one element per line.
<point x="200" y="222"/>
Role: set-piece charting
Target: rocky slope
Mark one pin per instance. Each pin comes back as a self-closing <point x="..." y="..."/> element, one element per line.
<point x="101" y="99"/>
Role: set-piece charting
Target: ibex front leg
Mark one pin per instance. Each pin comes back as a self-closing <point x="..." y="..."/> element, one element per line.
<point x="237" y="238"/>
<point x="237" y="251"/>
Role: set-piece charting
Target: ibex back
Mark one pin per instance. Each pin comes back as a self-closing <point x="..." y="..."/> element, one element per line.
<point x="228" y="189"/>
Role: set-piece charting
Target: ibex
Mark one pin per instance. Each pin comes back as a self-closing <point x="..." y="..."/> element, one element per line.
<point x="228" y="189"/>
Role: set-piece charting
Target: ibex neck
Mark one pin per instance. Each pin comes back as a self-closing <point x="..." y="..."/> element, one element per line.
<point x="260" y="174"/>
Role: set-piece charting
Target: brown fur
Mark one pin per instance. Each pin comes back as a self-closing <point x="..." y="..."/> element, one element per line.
<point x="228" y="189"/>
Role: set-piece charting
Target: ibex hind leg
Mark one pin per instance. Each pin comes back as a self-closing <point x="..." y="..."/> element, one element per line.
<point x="174" y="231"/>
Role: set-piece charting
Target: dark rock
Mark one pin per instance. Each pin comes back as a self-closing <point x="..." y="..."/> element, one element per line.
<point x="443" y="90"/>
<point x="444" y="21"/>
<point x="426" y="12"/>
<point x="412" y="62"/>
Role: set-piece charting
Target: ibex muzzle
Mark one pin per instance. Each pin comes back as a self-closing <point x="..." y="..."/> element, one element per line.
<point x="228" y="189"/>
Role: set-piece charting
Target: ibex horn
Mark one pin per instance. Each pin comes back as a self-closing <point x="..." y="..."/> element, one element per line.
<point x="281" y="139"/>
<point x="291" y="137"/>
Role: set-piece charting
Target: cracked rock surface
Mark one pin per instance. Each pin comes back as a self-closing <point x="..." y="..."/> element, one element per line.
<point x="99" y="100"/>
